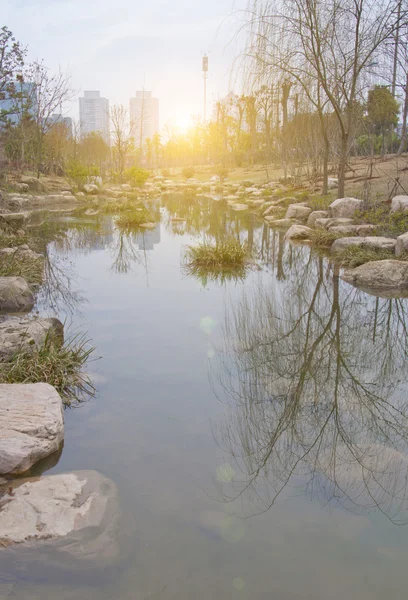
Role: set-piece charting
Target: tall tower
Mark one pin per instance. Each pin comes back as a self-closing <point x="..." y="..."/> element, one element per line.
<point x="205" y="75"/>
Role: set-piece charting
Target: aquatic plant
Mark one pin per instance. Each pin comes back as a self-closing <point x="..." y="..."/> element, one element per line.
<point x="224" y="253"/>
<point x="59" y="365"/>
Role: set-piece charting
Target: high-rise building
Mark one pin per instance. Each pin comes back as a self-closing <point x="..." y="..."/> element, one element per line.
<point x="144" y="116"/>
<point x="58" y="119"/>
<point x="94" y="114"/>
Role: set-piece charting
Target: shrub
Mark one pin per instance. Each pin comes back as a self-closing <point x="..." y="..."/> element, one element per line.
<point x="222" y="172"/>
<point x="188" y="172"/>
<point x="136" y="176"/>
<point x="60" y="366"/>
<point x="78" y="173"/>
<point x="165" y="173"/>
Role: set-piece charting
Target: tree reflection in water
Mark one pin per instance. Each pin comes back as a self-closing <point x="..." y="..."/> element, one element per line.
<point x="314" y="372"/>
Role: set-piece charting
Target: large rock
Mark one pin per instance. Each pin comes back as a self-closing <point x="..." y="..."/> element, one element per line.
<point x="15" y="219"/>
<point x="91" y="188"/>
<point x="22" y="334"/>
<point x="346" y="242"/>
<point x="280" y="223"/>
<point x="22" y="187"/>
<point x="345" y="207"/>
<point x="297" y="211"/>
<point x="64" y="516"/>
<point x="34" y="184"/>
<point x="380" y="274"/>
<point x="379" y="242"/>
<point x="21" y="252"/>
<point x="31" y="425"/>
<point x="401" y="244"/>
<point x="399" y="204"/>
<point x="15" y="295"/>
<point x="298" y="232"/>
<point x="316" y="214"/>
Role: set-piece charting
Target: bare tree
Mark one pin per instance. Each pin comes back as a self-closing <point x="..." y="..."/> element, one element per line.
<point x="122" y="141"/>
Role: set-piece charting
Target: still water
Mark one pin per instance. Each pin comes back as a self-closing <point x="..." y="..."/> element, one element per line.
<point x="256" y="428"/>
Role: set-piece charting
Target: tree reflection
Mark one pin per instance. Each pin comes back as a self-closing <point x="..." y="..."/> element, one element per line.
<point x="314" y="371"/>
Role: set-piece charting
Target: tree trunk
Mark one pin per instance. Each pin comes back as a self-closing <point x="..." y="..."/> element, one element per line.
<point x="342" y="164"/>
<point x="404" y="120"/>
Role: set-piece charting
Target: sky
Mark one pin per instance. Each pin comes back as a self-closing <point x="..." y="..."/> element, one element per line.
<point x="118" y="46"/>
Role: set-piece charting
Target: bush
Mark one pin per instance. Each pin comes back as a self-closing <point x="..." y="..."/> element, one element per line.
<point x="136" y="176"/>
<point x="165" y="173"/>
<point x="188" y="172"/>
<point x="78" y="173"/>
<point x="222" y="172"/>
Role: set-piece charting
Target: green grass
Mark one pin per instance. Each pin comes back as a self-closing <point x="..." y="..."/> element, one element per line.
<point x="319" y="202"/>
<point x="323" y="237"/>
<point x="9" y="239"/>
<point x="225" y="253"/>
<point x="18" y="266"/>
<point x="115" y="207"/>
<point x="354" y="256"/>
<point x="135" y="218"/>
<point x="60" y="366"/>
<point x="387" y="223"/>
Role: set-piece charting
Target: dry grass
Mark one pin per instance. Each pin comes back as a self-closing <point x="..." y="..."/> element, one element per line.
<point x="323" y="237"/>
<point x="355" y="256"/>
<point x="386" y="222"/>
<point x="225" y="253"/>
<point x="13" y="265"/>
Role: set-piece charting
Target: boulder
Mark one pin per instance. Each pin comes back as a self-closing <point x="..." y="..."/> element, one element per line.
<point x="92" y="188"/>
<point x="382" y="243"/>
<point x="15" y="295"/>
<point x="332" y="183"/>
<point x="381" y="274"/>
<point x="22" y="334"/>
<point x="365" y="229"/>
<point x="21" y="252"/>
<point x="297" y="211"/>
<point x="401" y="244"/>
<point x="399" y="203"/>
<point x="344" y="243"/>
<point x="64" y="516"/>
<point x="34" y="184"/>
<point x="15" y="219"/>
<point x="316" y="214"/>
<point x="22" y="187"/>
<point x="298" y="232"/>
<point x="360" y="230"/>
<point x="31" y="425"/>
<point x="345" y="207"/>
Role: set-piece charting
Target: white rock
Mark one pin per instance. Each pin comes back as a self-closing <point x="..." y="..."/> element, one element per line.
<point x="316" y="214"/>
<point x="21" y="252"/>
<point x="31" y="425"/>
<point x="296" y="211"/>
<point x="345" y="207"/>
<point x="399" y="203"/>
<point x="402" y="244"/>
<point x="380" y="274"/>
<point x="298" y="232"/>
<point x="22" y="334"/>
<point x="332" y="183"/>
<point x="91" y="188"/>
<point x="15" y="295"/>
<point x="344" y="243"/>
<point x="379" y="242"/>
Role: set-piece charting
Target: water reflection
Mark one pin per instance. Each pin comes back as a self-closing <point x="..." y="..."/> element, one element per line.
<point x="315" y="374"/>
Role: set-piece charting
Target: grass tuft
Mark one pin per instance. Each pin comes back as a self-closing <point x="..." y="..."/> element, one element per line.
<point x="19" y="266"/>
<point x="387" y="223"/>
<point x="323" y="237"/>
<point x="225" y="253"/>
<point x="60" y="366"/>
<point x="134" y="218"/>
<point x="319" y="202"/>
<point x="355" y="256"/>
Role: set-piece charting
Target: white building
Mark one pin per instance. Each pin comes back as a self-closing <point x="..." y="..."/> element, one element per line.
<point x="144" y="116"/>
<point x="94" y="114"/>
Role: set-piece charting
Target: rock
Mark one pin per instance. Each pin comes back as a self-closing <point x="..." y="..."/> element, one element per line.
<point x="22" y="187"/>
<point x="296" y="211"/>
<point x="31" y="425"/>
<point x="345" y="207"/>
<point x="365" y="229"/>
<point x="34" y="184"/>
<point x="126" y="187"/>
<point x="22" y="334"/>
<point x="344" y="229"/>
<point x="316" y="214"/>
<point x="271" y="209"/>
<point x="399" y="203"/>
<point x="239" y="207"/>
<point x="381" y="274"/>
<point x="332" y="183"/>
<point x="380" y="242"/>
<point x="91" y="188"/>
<point x="21" y="252"/>
<point x="401" y="244"/>
<point x="15" y="295"/>
<point x="14" y="219"/>
<point x="281" y="223"/>
<point x="344" y="243"/>
<point x="74" y="514"/>
<point x="298" y="232"/>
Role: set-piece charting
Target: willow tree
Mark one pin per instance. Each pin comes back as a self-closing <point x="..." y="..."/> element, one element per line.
<point x="330" y="43"/>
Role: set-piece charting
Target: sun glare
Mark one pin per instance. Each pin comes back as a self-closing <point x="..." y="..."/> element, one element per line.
<point x="182" y="124"/>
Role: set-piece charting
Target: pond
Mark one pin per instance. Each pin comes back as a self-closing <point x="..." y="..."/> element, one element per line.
<point x="256" y="428"/>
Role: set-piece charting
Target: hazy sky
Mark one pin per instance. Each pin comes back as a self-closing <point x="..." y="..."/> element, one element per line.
<point x="116" y="45"/>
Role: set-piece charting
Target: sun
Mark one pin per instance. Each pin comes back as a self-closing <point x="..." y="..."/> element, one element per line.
<point x="182" y="123"/>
